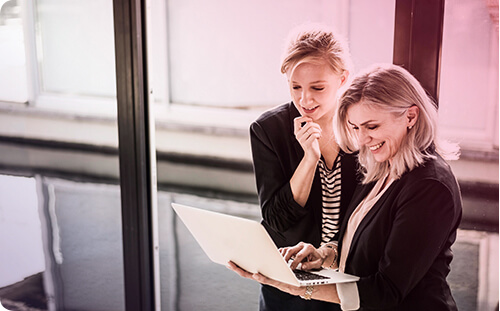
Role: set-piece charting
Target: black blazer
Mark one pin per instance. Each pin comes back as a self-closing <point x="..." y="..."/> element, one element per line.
<point x="401" y="249"/>
<point x="276" y="154"/>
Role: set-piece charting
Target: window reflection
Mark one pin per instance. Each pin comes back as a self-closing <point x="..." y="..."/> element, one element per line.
<point x="189" y="280"/>
<point x="61" y="244"/>
<point x="21" y="244"/>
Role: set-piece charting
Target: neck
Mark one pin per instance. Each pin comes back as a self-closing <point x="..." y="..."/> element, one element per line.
<point x="326" y="122"/>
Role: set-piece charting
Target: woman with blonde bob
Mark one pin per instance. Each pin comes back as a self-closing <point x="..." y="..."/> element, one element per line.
<point x="399" y="228"/>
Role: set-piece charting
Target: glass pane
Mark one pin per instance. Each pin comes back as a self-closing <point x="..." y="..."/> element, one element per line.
<point x="75" y="47"/>
<point x="468" y="100"/>
<point x="189" y="280"/>
<point x="233" y="60"/>
<point x="227" y="54"/>
<point x="12" y="53"/>
<point x="60" y="211"/>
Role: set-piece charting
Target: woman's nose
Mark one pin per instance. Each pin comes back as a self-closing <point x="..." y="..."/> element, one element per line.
<point x="363" y="137"/>
<point x="306" y="97"/>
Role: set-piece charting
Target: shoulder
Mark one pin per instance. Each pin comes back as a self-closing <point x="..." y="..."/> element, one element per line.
<point x="274" y="126"/>
<point x="435" y="168"/>
<point x="434" y="175"/>
<point x="284" y="113"/>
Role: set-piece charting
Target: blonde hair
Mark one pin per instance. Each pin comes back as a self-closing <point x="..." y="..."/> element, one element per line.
<point x="390" y="88"/>
<point x="314" y="43"/>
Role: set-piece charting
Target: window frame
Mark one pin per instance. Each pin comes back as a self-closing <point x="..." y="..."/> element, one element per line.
<point x="135" y="145"/>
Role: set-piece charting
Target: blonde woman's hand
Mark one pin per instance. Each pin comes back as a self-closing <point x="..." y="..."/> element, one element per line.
<point x="304" y="254"/>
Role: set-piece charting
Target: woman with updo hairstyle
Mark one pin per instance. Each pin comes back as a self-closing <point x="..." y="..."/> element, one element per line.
<point x="398" y="230"/>
<point x="304" y="180"/>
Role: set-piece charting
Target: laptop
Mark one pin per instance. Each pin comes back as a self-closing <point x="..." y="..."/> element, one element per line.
<point x="245" y="242"/>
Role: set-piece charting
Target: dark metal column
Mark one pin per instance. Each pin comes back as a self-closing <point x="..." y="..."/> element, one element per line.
<point x="135" y="161"/>
<point x="418" y="34"/>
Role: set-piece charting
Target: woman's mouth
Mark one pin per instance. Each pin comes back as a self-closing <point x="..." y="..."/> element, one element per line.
<point x="309" y="110"/>
<point x="377" y="146"/>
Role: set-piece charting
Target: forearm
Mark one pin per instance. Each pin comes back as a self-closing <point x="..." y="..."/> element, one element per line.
<point x="326" y="293"/>
<point x="302" y="180"/>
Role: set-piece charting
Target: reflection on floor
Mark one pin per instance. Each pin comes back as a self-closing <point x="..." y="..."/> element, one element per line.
<point x="25" y="295"/>
<point x="82" y="250"/>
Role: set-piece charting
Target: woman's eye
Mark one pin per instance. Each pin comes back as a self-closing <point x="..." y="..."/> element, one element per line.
<point x="296" y="87"/>
<point x="355" y="128"/>
<point x="318" y="88"/>
<point x="372" y="127"/>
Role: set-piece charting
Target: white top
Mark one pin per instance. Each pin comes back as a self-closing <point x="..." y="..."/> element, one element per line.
<point x="348" y="292"/>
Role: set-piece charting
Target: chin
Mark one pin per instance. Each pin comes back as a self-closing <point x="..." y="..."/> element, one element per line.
<point x="380" y="158"/>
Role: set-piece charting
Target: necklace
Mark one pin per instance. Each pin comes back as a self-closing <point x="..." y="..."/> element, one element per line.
<point x="331" y="150"/>
<point x="332" y="137"/>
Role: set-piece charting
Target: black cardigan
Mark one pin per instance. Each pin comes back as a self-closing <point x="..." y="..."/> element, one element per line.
<point x="401" y="249"/>
<point x="276" y="154"/>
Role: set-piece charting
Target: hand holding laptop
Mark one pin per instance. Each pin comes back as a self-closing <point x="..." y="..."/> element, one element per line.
<point x="302" y="256"/>
<point x="247" y="244"/>
<point x="262" y="279"/>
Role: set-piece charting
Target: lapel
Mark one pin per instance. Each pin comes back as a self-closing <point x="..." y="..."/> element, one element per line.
<point x="369" y="217"/>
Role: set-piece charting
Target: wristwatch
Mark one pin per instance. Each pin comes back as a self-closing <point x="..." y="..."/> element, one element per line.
<point x="308" y="294"/>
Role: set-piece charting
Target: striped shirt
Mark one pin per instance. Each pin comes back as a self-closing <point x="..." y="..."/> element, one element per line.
<point x="330" y="184"/>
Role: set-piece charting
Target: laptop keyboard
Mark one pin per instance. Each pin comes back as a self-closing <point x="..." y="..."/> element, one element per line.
<point x="308" y="276"/>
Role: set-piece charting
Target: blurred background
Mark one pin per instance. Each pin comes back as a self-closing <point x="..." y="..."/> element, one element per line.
<point x="213" y="67"/>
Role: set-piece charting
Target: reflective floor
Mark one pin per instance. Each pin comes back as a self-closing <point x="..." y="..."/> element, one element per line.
<point x="61" y="250"/>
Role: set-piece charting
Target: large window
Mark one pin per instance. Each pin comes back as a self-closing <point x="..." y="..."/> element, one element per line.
<point x="58" y="56"/>
<point x="74" y="54"/>
<point x="221" y="67"/>
<point x="12" y="53"/>
<point x="227" y="54"/>
<point x="60" y="219"/>
<point x="213" y="66"/>
<point x="469" y="74"/>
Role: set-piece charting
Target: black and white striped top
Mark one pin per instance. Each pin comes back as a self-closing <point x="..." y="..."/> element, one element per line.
<point x="330" y="183"/>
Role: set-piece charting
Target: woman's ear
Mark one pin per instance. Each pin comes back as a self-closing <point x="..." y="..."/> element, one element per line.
<point x="344" y="77"/>
<point x="412" y="115"/>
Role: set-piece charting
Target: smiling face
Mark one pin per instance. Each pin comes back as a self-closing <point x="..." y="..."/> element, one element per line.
<point x="380" y="131"/>
<point x="313" y="87"/>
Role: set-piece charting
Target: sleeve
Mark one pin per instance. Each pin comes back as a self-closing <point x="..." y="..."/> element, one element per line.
<point x="279" y="209"/>
<point x="424" y="216"/>
<point x="348" y="295"/>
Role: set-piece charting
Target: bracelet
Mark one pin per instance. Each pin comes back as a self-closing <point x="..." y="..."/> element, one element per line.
<point x="334" y="258"/>
<point x="308" y="294"/>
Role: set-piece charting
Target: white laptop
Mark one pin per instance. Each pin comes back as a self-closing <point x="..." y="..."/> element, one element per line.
<point x="227" y="238"/>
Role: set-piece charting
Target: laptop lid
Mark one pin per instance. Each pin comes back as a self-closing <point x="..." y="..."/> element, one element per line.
<point x="227" y="238"/>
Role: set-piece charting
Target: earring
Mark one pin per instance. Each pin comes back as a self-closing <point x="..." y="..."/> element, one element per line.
<point x="410" y="127"/>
